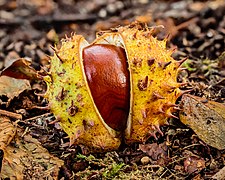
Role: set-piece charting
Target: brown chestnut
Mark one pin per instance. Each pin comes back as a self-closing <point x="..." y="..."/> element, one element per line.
<point x="107" y="74"/>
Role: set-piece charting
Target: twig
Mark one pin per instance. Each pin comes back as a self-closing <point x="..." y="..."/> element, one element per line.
<point x="10" y="114"/>
<point x="40" y="116"/>
<point x="40" y="107"/>
<point x="191" y="145"/>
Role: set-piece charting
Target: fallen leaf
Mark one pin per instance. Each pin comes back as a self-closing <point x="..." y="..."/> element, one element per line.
<point x="193" y="163"/>
<point x="7" y="132"/>
<point x="20" y="69"/>
<point x="24" y="157"/>
<point x="206" y="118"/>
<point x="158" y="152"/>
<point x="12" y="87"/>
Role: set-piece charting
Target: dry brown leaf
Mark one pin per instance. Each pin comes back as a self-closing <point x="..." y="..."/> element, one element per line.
<point x="193" y="163"/>
<point x="20" y="69"/>
<point x="24" y="157"/>
<point x="12" y="87"/>
<point x="206" y="118"/>
<point x="7" y="132"/>
<point x="158" y="152"/>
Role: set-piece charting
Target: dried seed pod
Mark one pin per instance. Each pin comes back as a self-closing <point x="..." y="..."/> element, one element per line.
<point x="151" y="84"/>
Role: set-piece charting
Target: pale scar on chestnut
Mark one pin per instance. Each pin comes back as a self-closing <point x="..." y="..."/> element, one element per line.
<point x="122" y="85"/>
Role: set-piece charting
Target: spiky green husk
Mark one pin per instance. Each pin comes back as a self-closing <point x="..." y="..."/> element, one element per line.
<point x="70" y="99"/>
<point x="154" y="88"/>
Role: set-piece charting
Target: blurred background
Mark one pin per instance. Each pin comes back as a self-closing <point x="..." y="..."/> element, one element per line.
<point x="29" y="27"/>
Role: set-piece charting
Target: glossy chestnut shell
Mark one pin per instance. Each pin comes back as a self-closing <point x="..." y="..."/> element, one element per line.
<point x="107" y="74"/>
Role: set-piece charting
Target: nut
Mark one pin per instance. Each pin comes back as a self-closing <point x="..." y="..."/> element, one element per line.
<point x="145" y="80"/>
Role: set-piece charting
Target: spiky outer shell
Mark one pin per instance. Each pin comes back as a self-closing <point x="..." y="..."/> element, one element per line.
<point x="70" y="98"/>
<point x="154" y="89"/>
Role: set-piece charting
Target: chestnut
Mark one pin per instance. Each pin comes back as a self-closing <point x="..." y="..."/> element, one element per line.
<point x="107" y="74"/>
<point x="122" y="85"/>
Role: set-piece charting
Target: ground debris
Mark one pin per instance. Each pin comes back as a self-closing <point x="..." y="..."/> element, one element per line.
<point x="196" y="28"/>
<point x="219" y="175"/>
<point x="158" y="152"/>
<point x="193" y="163"/>
<point x="24" y="157"/>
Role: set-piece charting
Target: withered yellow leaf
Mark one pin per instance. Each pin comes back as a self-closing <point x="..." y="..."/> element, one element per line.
<point x="206" y="118"/>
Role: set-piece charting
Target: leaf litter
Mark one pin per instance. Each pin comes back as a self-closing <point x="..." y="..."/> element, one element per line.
<point x="202" y="41"/>
<point x="12" y="87"/>
<point x="24" y="157"/>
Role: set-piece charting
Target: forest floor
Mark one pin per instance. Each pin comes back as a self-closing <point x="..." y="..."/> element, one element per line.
<point x="196" y="28"/>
